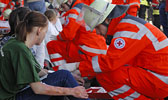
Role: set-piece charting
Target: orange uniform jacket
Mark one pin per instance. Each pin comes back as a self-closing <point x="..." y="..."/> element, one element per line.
<point x="136" y="63"/>
<point x="75" y="39"/>
<point x="134" y="5"/>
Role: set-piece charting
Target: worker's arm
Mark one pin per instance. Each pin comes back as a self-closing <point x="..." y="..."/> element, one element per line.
<point x="70" y="26"/>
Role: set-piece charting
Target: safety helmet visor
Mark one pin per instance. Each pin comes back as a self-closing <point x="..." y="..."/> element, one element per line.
<point x="95" y="14"/>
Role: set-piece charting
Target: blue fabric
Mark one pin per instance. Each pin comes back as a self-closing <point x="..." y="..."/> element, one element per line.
<point x="163" y="17"/>
<point x="37" y="6"/>
<point x="33" y="52"/>
<point x="60" y="78"/>
<point x="4" y="40"/>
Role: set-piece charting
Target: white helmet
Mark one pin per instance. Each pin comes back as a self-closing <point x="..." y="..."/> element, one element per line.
<point x="57" y="3"/>
<point x="6" y="13"/>
<point x="98" y="11"/>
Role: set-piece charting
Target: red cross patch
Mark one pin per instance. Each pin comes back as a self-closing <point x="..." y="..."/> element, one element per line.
<point x="119" y="43"/>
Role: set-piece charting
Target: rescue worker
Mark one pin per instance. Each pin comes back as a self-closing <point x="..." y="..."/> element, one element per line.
<point x="143" y="7"/>
<point x="75" y="43"/>
<point x="134" y="5"/>
<point x="156" y="17"/>
<point x="136" y="63"/>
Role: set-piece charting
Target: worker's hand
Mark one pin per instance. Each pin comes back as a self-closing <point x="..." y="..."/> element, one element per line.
<point x="53" y="37"/>
<point x="79" y="92"/>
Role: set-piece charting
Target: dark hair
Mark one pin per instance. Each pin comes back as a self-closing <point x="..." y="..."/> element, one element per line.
<point x="15" y="17"/>
<point x="51" y="14"/>
<point x="31" y="20"/>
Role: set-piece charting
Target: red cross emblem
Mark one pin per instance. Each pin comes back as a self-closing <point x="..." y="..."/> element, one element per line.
<point x="119" y="43"/>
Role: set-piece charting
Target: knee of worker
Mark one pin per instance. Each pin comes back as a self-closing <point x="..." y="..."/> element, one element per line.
<point x="53" y="46"/>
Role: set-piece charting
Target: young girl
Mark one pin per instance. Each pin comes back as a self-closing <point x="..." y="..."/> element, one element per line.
<point x="52" y="31"/>
<point x="18" y="67"/>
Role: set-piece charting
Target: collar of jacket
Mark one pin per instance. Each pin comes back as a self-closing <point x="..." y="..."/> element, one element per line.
<point x="114" y="22"/>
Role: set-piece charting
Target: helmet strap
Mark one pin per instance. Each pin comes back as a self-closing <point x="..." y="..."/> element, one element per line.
<point x="105" y="24"/>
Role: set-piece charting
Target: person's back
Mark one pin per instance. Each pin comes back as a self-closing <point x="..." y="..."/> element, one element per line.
<point x="13" y="48"/>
